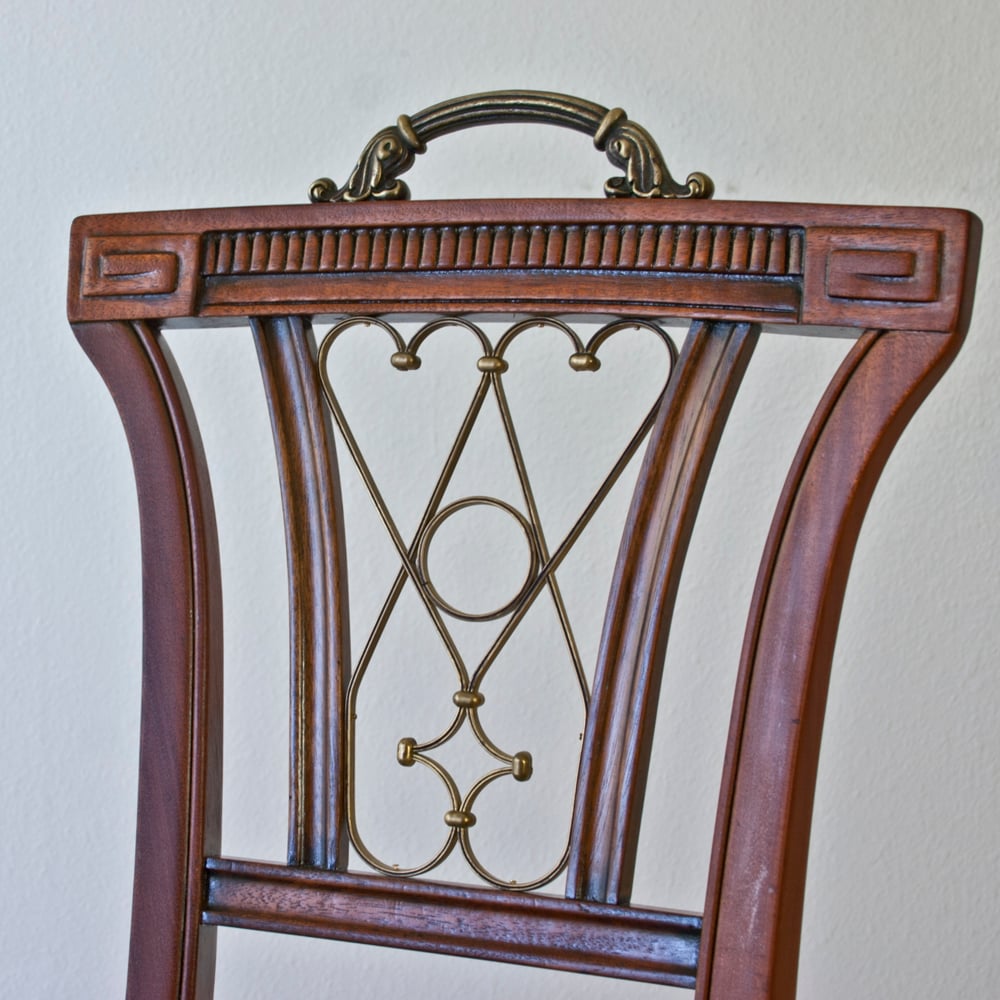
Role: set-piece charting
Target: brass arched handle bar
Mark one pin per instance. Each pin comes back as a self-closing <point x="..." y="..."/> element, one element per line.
<point x="628" y="146"/>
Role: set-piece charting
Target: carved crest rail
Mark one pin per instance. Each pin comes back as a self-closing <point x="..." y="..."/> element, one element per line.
<point x="775" y="263"/>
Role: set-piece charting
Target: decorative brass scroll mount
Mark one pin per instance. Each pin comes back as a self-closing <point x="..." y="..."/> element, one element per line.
<point x="628" y="145"/>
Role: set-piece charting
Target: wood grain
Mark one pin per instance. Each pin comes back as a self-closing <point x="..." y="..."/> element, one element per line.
<point x="180" y="741"/>
<point x="906" y="276"/>
<point x="317" y="591"/>
<point x="757" y="878"/>
<point x="641" y="944"/>
<point x="612" y="780"/>
<point x="730" y="261"/>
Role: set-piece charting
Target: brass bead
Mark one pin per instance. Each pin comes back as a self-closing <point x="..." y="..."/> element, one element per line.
<point x="405" y="751"/>
<point x="584" y="362"/>
<point x="404" y="361"/>
<point x="459" y="819"/>
<point x="521" y="766"/>
<point x="490" y="364"/>
<point x="468" y="699"/>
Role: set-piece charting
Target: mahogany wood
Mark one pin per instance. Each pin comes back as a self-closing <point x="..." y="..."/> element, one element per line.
<point x="649" y="945"/>
<point x="905" y="276"/>
<point x="317" y="575"/>
<point x="711" y="259"/>
<point x="612" y="780"/>
<point x="180" y="740"/>
<point x="756" y="884"/>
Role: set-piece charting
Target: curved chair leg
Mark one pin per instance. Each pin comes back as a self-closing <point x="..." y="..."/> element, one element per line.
<point x="172" y="956"/>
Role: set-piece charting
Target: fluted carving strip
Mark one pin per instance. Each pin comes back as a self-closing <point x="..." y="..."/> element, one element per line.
<point x="774" y="251"/>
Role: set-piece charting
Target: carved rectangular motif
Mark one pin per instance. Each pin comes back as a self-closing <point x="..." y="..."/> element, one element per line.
<point x="848" y="270"/>
<point x="898" y="265"/>
<point x="895" y="266"/>
<point x="134" y="267"/>
<point x="131" y="273"/>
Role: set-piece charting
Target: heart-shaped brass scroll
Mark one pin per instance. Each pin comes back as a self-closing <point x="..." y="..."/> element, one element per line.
<point x="543" y="562"/>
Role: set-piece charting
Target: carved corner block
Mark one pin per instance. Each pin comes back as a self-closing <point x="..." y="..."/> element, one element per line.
<point x="856" y="275"/>
<point x="136" y="277"/>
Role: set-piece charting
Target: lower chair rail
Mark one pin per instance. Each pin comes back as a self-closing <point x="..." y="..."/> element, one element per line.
<point x="600" y="939"/>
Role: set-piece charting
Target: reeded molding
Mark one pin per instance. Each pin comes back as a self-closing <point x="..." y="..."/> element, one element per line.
<point x="687" y="247"/>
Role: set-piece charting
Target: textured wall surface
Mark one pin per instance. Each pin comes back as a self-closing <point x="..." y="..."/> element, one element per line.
<point x="119" y="107"/>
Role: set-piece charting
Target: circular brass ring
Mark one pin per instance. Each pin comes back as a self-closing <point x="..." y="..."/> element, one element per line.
<point x="428" y="534"/>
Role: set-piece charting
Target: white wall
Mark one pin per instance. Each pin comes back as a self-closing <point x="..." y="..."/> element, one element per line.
<point x="119" y="107"/>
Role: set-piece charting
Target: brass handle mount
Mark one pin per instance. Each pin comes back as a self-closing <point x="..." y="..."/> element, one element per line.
<point x="628" y="145"/>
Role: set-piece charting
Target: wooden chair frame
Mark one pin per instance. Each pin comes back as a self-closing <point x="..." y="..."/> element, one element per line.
<point x="903" y="276"/>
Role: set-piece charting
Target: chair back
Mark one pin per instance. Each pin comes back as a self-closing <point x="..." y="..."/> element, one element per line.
<point x="498" y="275"/>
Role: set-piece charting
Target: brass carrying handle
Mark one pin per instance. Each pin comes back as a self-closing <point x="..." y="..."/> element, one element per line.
<point x="629" y="146"/>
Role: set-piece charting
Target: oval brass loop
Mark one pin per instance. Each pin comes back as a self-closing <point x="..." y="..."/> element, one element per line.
<point x="628" y="145"/>
<point x="352" y="321"/>
<point x="609" y="329"/>
<point x="445" y="321"/>
<point x="450" y="841"/>
<point x="465" y="839"/>
<point x="540" y="321"/>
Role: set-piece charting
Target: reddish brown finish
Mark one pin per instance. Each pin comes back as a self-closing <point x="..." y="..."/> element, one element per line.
<point x="754" y="911"/>
<point x="619" y="736"/>
<point x="317" y="585"/>
<point x="721" y="263"/>
<point x="649" y="945"/>
<point x="180" y="741"/>
<point x="729" y="263"/>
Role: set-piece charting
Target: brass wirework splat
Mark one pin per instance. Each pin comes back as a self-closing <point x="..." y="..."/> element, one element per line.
<point x="544" y="562"/>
